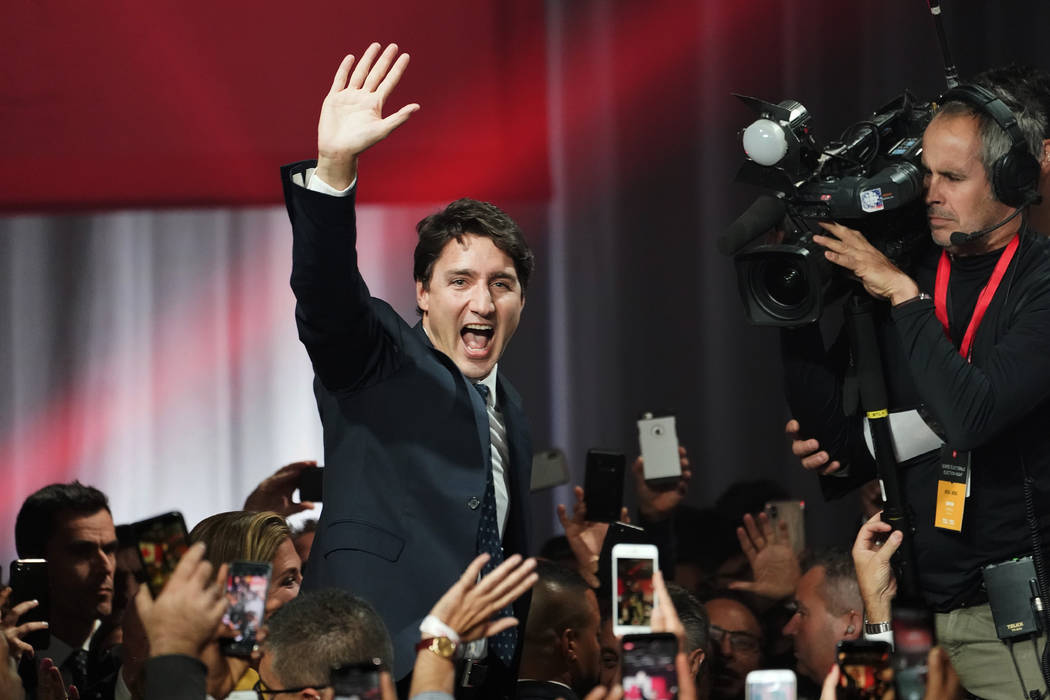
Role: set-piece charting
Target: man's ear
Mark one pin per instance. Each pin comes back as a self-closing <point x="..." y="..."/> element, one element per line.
<point x="567" y="641"/>
<point x="422" y="296"/>
<point x="854" y="625"/>
<point x="696" y="661"/>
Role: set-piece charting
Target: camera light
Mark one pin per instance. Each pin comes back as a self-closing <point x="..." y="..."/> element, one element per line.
<point x="764" y="142"/>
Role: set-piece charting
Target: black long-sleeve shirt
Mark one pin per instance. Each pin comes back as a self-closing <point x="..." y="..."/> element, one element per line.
<point x="998" y="405"/>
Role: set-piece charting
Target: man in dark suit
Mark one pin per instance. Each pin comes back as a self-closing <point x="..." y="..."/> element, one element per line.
<point x="562" y="655"/>
<point x="426" y="443"/>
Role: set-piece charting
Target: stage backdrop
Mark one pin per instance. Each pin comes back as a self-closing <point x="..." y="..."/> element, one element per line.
<point x="150" y="349"/>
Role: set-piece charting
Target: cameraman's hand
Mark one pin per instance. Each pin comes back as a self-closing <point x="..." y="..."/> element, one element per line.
<point x="808" y="451"/>
<point x="875" y="544"/>
<point x="881" y="278"/>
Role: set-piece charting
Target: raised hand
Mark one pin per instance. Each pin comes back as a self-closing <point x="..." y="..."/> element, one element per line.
<point x="275" y="491"/>
<point x="186" y="614"/>
<point x="352" y="118"/>
<point x="585" y="536"/>
<point x="773" y="560"/>
<point x="13" y="632"/>
<point x="875" y="544"/>
<point x="467" y="607"/>
<point x="659" y="503"/>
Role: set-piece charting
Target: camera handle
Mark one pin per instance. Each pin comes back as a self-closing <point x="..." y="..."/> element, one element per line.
<point x="874" y="402"/>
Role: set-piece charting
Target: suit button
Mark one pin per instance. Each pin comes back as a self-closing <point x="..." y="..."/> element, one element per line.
<point x="473" y="503"/>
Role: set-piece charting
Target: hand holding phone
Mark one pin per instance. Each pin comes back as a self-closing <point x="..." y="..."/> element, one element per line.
<point x="29" y="582"/>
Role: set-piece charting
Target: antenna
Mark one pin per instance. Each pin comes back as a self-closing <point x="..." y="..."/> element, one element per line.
<point x="951" y="73"/>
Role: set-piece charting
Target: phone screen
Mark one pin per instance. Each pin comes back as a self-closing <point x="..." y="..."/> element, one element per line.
<point x="864" y="670"/>
<point x="246" y="587"/>
<point x="161" y="543"/>
<point x="634" y="592"/>
<point x="357" y="681"/>
<point x="648" y="667"/>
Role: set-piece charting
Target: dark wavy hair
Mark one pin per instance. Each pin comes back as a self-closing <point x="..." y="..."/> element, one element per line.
<point x="469" y="216"/>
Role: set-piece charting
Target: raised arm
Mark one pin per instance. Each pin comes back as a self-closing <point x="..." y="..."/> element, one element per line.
<point x="339" y="328"/>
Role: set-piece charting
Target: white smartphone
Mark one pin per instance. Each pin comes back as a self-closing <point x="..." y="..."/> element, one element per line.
<point x="633" y="596"/>
<point x="658" y="439"/>
<point x="771" y="684"/>
<point x="549" y="469"/>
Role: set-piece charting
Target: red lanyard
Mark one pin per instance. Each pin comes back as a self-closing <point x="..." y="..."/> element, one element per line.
<point x="940" y="297"/>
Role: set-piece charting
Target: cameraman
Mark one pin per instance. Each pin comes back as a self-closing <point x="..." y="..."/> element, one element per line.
<point x="968" y="376"/>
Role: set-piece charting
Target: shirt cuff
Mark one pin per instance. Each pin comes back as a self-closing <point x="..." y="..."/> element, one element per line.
<point x="315" y="184"/>
<point x="433" y="627"/>
<point x="881" y="637"/>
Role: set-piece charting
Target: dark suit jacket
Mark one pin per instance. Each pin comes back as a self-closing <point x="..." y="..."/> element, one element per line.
<point x="406" y="435"/>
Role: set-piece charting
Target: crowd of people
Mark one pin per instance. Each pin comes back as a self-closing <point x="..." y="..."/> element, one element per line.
<point x="417" y="578"/>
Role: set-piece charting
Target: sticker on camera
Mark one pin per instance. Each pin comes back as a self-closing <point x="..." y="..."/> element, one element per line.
<point x="871" y="200"/>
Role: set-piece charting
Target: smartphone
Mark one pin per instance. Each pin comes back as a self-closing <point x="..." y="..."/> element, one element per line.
<point x="648" y="666"/>
<point x="658" y="440"/>
<point x="864" y="669"/>
<point x="246" y="585"/>
<point x="29" y="582"/>
<point x="913" y="637"/>
<point x="549" y="469"/>
<point x="603" y="485"/>
<point x="358" y="681"/>
<point x="618" y="533"/>
<point x="794" y="514"/>
<point x="311" y="484"/>
<point x="633" y="597"/>
<point x="772" y="684"/>
<point x="161" y="543"/>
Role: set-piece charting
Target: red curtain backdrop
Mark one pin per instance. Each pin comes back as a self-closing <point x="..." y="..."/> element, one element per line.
<point x="117" y="103"/>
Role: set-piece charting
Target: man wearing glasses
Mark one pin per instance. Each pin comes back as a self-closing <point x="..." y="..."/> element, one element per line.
<point x="736" y="644"/>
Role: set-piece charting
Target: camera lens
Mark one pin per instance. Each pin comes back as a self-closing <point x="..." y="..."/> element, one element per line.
<point x="785" y="283"/>
<point x="658" y="431"/>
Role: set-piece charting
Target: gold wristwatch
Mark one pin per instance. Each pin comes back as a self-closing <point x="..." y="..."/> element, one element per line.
<point x="442" y="646"/>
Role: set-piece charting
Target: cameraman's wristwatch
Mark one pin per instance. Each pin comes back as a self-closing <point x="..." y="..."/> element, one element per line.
<point x="442" y="646"/>
<point x="875" y="627"/>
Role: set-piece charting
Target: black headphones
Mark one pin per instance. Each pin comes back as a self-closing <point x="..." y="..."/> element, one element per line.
<point x="1015" y="175"/>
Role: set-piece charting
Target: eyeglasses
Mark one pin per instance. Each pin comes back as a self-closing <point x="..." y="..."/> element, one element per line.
<point x="264" y="693"/>
<point x="738" y="639"/>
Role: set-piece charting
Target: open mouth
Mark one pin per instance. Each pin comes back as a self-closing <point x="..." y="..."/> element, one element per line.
<point x="477" y="337"/>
